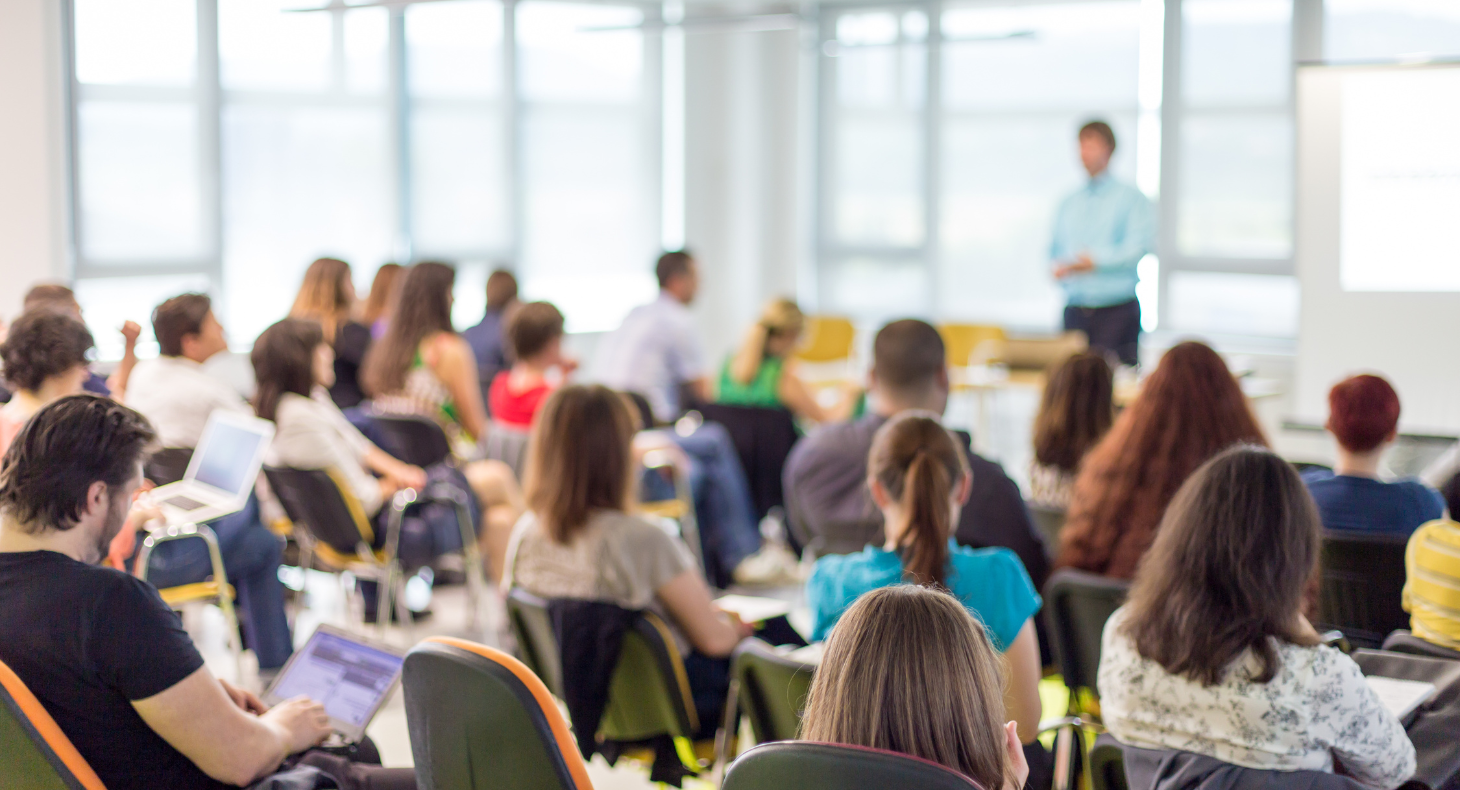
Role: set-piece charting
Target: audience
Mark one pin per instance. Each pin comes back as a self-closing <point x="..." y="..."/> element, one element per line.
<point x="1075" y="411"/>
<point x="760" y="372"/>
<point x="1432" y="586"/>
<point x="826" y="474"/>
<point x="486" y="339"/>
<point x="1363" y="416"/>
<point x="45" y="359"/>
<point x="908" y="670"/>
<point x="918" y="477"/>
<point x="380" y="303"/>
<point x="59" y="298"/>
<point x="328" y="297"/>
<point x="1211" y="654"/>
<point x="105" y="657"/>
<point x="1188" y="410"/>
<point x="534" y="334"/>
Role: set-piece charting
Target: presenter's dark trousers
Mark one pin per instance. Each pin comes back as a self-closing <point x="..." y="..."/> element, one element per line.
<point x="1115" y="329"/>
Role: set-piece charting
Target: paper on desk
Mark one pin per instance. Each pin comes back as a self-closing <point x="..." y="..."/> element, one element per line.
<point x="752" y="609"/>
<point x="1401" y="697"/>
<point x="810" y="654"/>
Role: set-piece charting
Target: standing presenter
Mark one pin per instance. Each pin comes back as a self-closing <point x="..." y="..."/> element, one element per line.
<point x="1100" y="233"/>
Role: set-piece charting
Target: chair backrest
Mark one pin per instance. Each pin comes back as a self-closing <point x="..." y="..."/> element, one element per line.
<point x="508" y="445"/>
<point x="1107" y="766"/>
<point x="1050" y="521"/>
<point x="417" y="440"/>
<point x="481" y="720"/>
<point x="536" y="644"/>
<point x="1076" y="606"/>
<point x="773" y="690"/>
<point x="1403" y="641"/>
<point x="168" y="465"/>
<point x="806" y="765"/>
<point x="323" y="505"/>
<point x="763" y="438"/>
<point x="649" y="691"/>
<point x="969" y="344"/>
<point x="34" y="753"/>
<point x="828" y="339"/>
<point x="1362" y="588"/>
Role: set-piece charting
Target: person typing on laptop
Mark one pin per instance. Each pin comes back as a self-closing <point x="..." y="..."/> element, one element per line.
<point x="104" y="655"/>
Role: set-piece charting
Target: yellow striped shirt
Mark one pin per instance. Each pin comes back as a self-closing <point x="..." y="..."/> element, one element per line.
<point x="1432" y="590"/>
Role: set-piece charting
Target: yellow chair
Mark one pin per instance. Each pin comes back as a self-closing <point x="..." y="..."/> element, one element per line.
<point x="828" y="339"/>
<point x="216" y="590"/>
<point x="973" y="344"/>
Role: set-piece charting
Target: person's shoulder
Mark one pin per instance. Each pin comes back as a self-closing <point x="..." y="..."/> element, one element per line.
<point x="842" y="570"/>
<point x="629" y="527"/>
<point x="1316" y="475"/>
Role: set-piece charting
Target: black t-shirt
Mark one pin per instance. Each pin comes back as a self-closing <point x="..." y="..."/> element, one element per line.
<point x="352" y="340"/>
<point x="88" y="640"/>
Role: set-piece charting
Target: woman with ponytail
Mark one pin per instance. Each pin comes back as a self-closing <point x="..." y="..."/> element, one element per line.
<point x="919" y="478"/>
<point x="761" y="373"/>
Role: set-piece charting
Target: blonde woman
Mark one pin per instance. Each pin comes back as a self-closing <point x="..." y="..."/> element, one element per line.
<point x="909" y="670"/>
<point x="327" y="297"/>
<point x="760" y="372"/>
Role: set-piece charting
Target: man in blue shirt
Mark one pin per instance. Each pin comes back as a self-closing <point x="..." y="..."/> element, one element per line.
<point x="485" y="338"/>
<point x="1100" y="233"/>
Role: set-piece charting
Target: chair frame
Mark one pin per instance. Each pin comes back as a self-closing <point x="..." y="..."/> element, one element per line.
<point x="58" y="751"/>
<point x="218" y="591"/>
<point x="680" y="509"/>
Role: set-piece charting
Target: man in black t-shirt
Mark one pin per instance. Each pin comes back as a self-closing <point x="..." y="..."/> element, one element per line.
<point x="101" y="651"/>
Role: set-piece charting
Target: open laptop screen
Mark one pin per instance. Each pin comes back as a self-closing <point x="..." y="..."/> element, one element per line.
<point x="227" y="455"/>
<point x="348" y="678"/>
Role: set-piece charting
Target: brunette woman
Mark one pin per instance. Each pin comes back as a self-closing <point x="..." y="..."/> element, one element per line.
<point x="1075" y="412"/>
<point x="327" y="297"/>
<point x="377" y="310"/>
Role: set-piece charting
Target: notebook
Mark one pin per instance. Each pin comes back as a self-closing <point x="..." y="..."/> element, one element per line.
<point x="1401" y="697"/>
<point x="753" y="609"/>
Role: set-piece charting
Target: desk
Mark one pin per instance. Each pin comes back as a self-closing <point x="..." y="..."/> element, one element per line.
<point x="1435" y="732"/>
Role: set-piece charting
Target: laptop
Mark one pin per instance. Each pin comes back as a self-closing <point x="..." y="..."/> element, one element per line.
<point x="348" y="674"/>
<point x="222" y="471"/>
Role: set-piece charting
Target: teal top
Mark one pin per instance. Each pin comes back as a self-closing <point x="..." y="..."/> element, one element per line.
<point x="1116" y="225"/>
<point x="763" y="390"/>
<point x="991" y="583"/>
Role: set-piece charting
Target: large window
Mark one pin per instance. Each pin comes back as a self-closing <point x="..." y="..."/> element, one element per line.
<point x="224" y="144"/>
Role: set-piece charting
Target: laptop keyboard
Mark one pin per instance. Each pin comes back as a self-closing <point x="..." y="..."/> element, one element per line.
<point x="183" y="503"/>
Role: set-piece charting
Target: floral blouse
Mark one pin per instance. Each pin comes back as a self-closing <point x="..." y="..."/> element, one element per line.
<point x="1316" y="708"/>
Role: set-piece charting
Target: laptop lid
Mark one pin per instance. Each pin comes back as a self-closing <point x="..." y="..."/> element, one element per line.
<point x="230" y="453"/>
<point x="350" y="675"/>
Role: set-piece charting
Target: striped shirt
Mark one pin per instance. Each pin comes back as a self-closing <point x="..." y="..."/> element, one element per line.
<point x="1432" y="590"/>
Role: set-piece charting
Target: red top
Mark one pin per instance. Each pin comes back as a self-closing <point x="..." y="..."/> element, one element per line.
<point x="512" y="408"/>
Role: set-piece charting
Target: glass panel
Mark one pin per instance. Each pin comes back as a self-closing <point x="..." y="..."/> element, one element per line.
<point x="300" y="182"/>
<point x="878" y="174"/>
<point x="455" y="48"/>
<point x="1387" y="29"/>
<point x="875" y="290"/>
<point x="1237" y="186"/>
<point x="1236" y="52"/>
<point x="460" y="174"/>
<point x="261" y="47"/>
<point x="140" y="42"/>
<point x="1064" y="56"/>
<point x="138" y="166"/>
<point x="367" y="44"/>
<point x="580" y="53"/>
<point x="108" y="302"/>
<point x="1261" y="305"/>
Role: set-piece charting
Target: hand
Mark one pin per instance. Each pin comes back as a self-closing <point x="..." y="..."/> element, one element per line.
<point x="143" y="510"/>
<point x="1083" y="263"/>
<point x="568" y="365"/>
<point x="245" y="700"/>
<point x="741" y="627"/>
<point x="407" y="476"/>
<point x="1015" y="756"/>
<point x="131" y="330"/>
<point x="300" y="723"/>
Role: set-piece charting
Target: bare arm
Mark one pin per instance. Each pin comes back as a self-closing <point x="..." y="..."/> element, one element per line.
<point x="799" y="398"/>
<point x="710" y="630"/>
<point x="1021" y="698"/>
<point x="400" y="473"/>
<point x="455" y="366"/>
<point x="123" y="373"/>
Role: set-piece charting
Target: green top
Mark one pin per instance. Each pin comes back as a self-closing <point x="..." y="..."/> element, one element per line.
<point x="763" y="390"/>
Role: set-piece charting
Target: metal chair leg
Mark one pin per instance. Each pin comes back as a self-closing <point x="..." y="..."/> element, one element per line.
<point x="220" y="578"/>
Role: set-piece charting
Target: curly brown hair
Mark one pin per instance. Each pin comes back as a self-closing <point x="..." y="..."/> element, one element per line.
<point x="43" y="343"/>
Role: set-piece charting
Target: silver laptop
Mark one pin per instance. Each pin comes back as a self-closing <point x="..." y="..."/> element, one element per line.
<point x="222" y="471"/>
<point x="348" y="674"/>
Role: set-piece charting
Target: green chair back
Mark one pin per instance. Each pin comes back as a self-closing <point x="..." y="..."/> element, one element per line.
<point x="34" y="753"/>
<point x="649" y="692"/>
<point x="772" y="690"/>
<point x="536" y="644"/>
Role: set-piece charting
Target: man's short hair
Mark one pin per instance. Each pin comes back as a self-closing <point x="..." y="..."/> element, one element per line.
<point x="532" y="327"/>
<point x="1362" y="412"/>
<point x="177" y="318"/>
<point x="43" y="343"/>
<point x="1102" y="130"/>
<point x="50" y="296"/>
<point x="64" y="448"/>
<point x="501" y="289"/>
<point x="672" y="265"/>
<point x="907" y="357"/>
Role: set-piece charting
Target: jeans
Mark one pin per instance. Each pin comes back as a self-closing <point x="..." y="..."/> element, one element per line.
<point x="251" y="556"/>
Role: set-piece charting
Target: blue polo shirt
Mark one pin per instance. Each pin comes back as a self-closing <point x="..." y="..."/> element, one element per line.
<point x="1363" y="504"/>
<point x="991" y="583"/>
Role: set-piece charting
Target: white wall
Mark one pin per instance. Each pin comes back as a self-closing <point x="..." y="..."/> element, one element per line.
<point x="32" y="149"/>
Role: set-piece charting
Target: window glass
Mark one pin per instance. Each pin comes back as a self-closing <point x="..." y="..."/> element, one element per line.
<point x="261" y="47"/>
<point x="108" y="302"/>
<point x="139" y="42"/>
<point x="459" y="173"/>
<point x="1261" y="305"/>
<point x="1389" y="29"/>
<point x="1236" y="52"/>
<point x="455" y="49"/>
<point x="878" y="193"/>
<point x="1237" y="185"/>
<point x="878" y="289"/>
<point x="367" y="50"/>
<point x="580" y="53"/>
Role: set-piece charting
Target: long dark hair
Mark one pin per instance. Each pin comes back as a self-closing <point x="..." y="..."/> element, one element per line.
<point x="919" y="462"/>
<point x="421" y="307"/>
<point x="579" y="458"/>
<point x="1233" y="556"/>
<point x="1075" y="411"/>
<point x="283" y="361"/>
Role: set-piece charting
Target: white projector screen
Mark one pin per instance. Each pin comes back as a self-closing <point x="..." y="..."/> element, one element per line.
<point x="1378" y="236"/>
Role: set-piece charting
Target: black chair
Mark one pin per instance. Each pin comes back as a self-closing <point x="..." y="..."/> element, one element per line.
<point x="1076" y="606"/>
<point x="528" y="617"/>
<point x="168" y="466"/>
<point x="1362" y="587"/>
<point x="805" y="765"/>
<point x="772" y="690"/>
<point x="763" y="438"/>
<point x="1107" y="765"/>
<point x="1403" y="641"/>
<point x="418" y="441"/>
<point x="1050" y="521"/>
<point x="1451" y="492"/>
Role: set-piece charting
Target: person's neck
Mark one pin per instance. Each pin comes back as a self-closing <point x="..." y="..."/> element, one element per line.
<point x="1096" y="176"/>
<point x="890" y="406"/>
<point x="530" y="371"/>
<point x="17" y="537"/>
<point x="1352" y="464"/>
<point x="674" y="296"/>
<point x="893" y="526"/>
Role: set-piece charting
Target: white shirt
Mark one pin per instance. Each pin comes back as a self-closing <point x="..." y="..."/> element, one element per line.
<point x="311" y="433"/>
<point x="652" y="353"/>
<point x="1318" y="706"/>
<point x="177" y="396"/>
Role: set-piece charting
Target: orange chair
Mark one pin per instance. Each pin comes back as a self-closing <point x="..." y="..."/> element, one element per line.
<point x="34" y="753"/>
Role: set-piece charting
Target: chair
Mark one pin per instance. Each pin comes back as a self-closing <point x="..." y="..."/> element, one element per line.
<point x="805" y="765"/>
<point x="536" y="644"/>
<point x="680" y="509"/>
<point x="1050" y="521"/>
<point x="772" y="690"/>
<point x="34" y="752"/>
<point x="972" y="344"/>
<point x="1107" y="766"/>
<point x="1076" y="606"/>
<point x="763" y="438"/>
<point x="1362" y="586"/>
<point x="508" y="445"/>
<point x="216" y="591"/>
<point x="1402" y="641"/>
<point x="168" y="465"/>
<point x="417" y="440"/>
<point x="481" y="720"/>
<point x="828" y="339"/>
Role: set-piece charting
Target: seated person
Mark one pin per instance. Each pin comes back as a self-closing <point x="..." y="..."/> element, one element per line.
<point x="579" y="541"/>
<point x="106" y="658"/>
<point x="59" y="298"/>
<point x="486" y="338"/>
<point x="45" y="359"/>
<point x="908" y="670"/>
<point x="1363" y="416"/>
<point x="534" y="336"/>
<point x="826" y="473"/>
<point x="760" y="372"/>
<point x="1432" y="586"/>
<point x="327" y="295"/>
<point x="1211" y="653"/>
<point x="919" y="478"/>
<point x="1075" y="411"/>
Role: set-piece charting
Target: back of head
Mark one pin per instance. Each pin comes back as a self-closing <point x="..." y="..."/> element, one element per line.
<point x="177" y="318"/>
<point x="51" y="296"/>
<point x="919" y="463"/>
<point x="421" y="307"/>
<point x="908" y="357"/>
<point x="1234" y="553"/>
<point x="382" y="291"/>
<point x="531" y="328"/>
<point x="43" y="343"/>
<point x="1363" y="411"/>
<point x="1075" y="411"/>
<point x="671" y="265"/>
<point x="907" y="669"/>
<point x="64" y="448"/>
<point x="501" y="290"/>
<point x="780" y="318"/>
<point x="283" y="361"/>
<point x="323" y="296"/>
<point x="578" y="459"/>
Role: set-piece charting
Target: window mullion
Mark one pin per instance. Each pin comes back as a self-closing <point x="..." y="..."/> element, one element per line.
<point x="400" y="124"/>
<point x="210" y="145"/>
